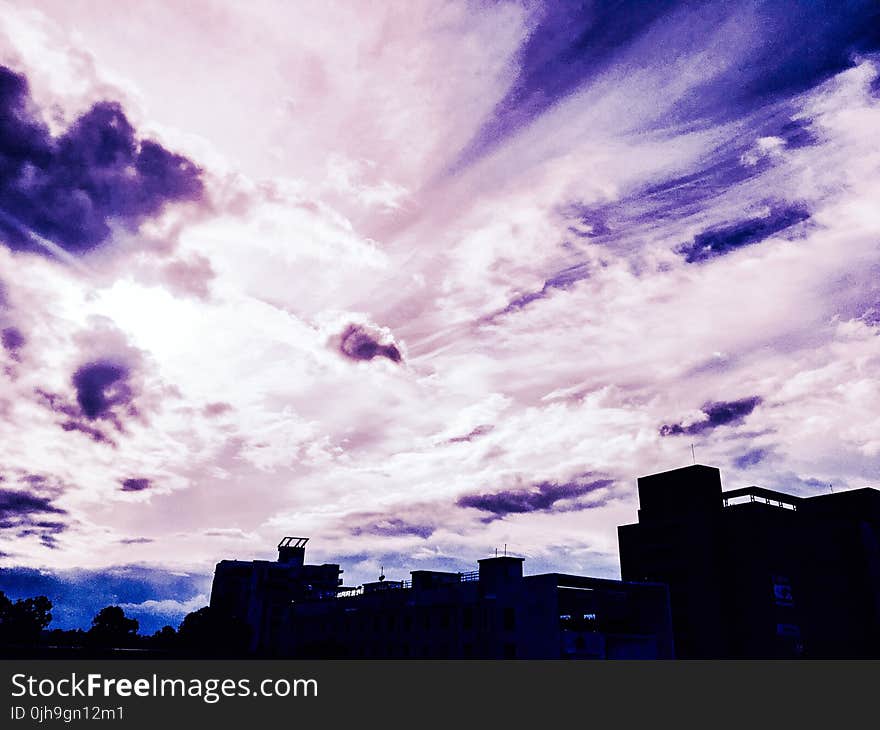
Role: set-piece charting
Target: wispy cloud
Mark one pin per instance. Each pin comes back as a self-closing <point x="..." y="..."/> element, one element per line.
<point x="427" y="274"/>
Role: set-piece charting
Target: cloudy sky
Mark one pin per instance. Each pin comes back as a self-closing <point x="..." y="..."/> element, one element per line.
<point x="419" y="279"/>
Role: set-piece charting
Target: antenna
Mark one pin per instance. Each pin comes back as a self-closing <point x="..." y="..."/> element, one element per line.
<point x="831" y="487"/>
<point x="382" y="574"/>
<point x="496" y="552"/>
<point x="505" y="550"/>
<point x="693" y="453"/>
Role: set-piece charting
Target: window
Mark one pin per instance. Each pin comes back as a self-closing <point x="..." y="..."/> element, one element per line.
<point x="782" y="593"/>
<point x="578" y="622"/>
<point x="509" y="618"/>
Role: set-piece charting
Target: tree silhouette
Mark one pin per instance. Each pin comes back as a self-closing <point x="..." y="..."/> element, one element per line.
<point x="112" y="628"/>
<point x="164" y="638"/>
<point x="212" y="632"/>
<point x="21" y="622"/>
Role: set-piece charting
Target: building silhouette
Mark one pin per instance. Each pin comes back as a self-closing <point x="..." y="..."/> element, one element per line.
<point x="748" y="573"/>
<point x="259" y="593"/>
<point x="298" y="610"/>
<point x="755" y="573"/>
<point x="493" y="613"/>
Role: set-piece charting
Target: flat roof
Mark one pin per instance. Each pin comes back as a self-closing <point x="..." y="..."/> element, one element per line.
<point x="763" y="493"/>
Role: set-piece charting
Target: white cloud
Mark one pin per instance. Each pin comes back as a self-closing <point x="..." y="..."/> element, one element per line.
<point x="168" y="606"/>
<point x="330" y="203"/>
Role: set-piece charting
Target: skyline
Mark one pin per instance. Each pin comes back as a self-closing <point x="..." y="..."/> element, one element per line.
<point x="422" y="279"/>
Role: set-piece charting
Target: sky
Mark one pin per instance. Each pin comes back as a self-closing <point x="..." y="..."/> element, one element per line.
<point x="420" y="279"/>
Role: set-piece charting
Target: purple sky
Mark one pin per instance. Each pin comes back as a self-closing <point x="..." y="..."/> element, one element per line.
<point x="419" y="279"/>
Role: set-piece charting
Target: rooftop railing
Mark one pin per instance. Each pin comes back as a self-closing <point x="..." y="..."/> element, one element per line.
<point x="761" y="496"/>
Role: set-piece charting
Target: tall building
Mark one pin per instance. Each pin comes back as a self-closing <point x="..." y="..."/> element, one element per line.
<point x="295" y="610"/>
<point x="757" y="573"/>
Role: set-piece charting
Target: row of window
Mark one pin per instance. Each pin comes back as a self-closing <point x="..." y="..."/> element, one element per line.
<point x="427" y="651"/>
<point x="442" y="619"/>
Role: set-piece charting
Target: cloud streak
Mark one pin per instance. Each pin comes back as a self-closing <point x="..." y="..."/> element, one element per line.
<point x="437" y="285"/>
<point x="543" y="496"/>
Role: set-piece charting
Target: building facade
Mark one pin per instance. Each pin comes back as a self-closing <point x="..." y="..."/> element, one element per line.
<point x="258" y="593"/>
<point x="493" y="613"/>
<point x="496" y="612"/>
<point x="756" y="573"/>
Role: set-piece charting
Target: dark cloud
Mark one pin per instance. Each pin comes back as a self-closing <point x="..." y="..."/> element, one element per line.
<point x="587" y="221"/>
<point x="70" y="189"/>
<point x="12" y="340"/>
<point x="26" y="514"/>
<point x="95" y="434"/>
<point x="721" y="413"/>
<point x="562" y="280"/>
<point x="389" y="526"/>
<point x="46" y="530"/>
<point x="359" y="343"/>
<point x="34" y="483"/>
<point x="675" y="199"/>
<point x="56" y="403"/>
<point x="798" y="133"/>
<point x="75" y="419"/>
<point x="138" y="484"/>
<point x="723" y="240"/>
<point x="136" y="540"/>
<point x="750" y="458"/>
<point x="100" y="386"/>
<point x="671" y="203"/>
<point x="16" y="505"/>
<point x="871" y="316"/>
<point x="540" y="497"/>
